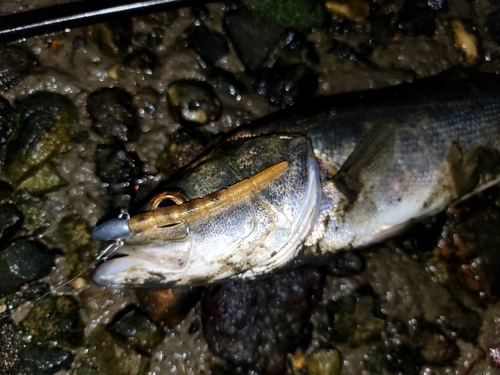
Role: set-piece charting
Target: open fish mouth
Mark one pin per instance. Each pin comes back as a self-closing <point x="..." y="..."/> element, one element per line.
<point x="132" y="262"/>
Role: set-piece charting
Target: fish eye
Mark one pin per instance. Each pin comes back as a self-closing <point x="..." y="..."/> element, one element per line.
<point x="166" y="199"/>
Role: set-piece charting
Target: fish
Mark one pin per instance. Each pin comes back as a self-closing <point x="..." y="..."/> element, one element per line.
<point x="292" y="188"/>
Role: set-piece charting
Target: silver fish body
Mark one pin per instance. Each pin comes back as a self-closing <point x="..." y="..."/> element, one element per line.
<point x="361" y="167"/>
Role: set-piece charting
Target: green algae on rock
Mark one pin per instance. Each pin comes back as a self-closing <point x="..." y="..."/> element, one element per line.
<point x="55" y="319"/>
<point x="44" y="180"/>
<point x="46" y="123"/>
<point x="15" y="63"/>
<point x="73" y="235"/>
<point x="107" y="356"/>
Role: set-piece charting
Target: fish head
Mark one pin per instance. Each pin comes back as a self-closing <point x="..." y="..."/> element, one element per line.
<point x="241" y="211"/>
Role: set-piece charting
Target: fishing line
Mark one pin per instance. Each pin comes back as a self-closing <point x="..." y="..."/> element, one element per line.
<point x="103" y="254"/>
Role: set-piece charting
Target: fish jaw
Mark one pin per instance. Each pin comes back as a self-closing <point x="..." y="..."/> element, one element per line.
<point x="258" y="234"/>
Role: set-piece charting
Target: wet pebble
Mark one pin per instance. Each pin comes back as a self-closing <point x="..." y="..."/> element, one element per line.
<point x="46" y="123"/>
<point x="253" y="36"/>
<point x="108" y="356"/>
<point x="324" y="362"/>
<point x="44" y="359"/>
<point x="120" y="169"/>
<point x="209" y="45"/>
<point x="353" y="10"/>
<point x="23" y="261"/>
<point x="36" y="290"/>
<point x="147" y="101"/>
<point x="346" y="263"/>
<point x="493" y="25"/>
<point x="467" y="40"/>
<point x="56" y="319"/>
<point x="113" y="39"/>
<point x="15" y="64"/>
<point x="226" y="82"/>
<point x="7" y="120"/>
<point x="293" y="48"/>
<point x="403" y="360"/>
<point x="249" y="324"/>
<point x="113" y="114"/>
<point x="45" y="180"/>
<point x="142" y="59"/>
<point x="170" y="306"/>
<point x="6" y="191"/>
<point x="11" y="220"/>
<point x="435" y="347"/>
<point x="357" y="319"/>
<point x="73" y="235"/>
<point x="192" y="102"/>
<point x="115" y="165"/>
<point x="285" y="86"/>
<point x="417" y="18"/>
<point x="133" y="327"/>
<point x="462" y="323"/>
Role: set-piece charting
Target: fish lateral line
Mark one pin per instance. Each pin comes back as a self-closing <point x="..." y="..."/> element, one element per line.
<point x="201" y="206"/>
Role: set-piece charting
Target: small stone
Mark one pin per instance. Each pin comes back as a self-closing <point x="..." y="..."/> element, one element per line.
<point x="253" y="36"/>
<point x="46" y="123"/>
<point x="324" y="362"/>
<point x="11" y="220"/>
<point x="107" y="356"/>
<point x="288" y="85"/>
<point x="113" y="114"/>
<point x="346" y="263"/>
<point x="357" y="318"/>
<point x="23" y="261"/>
<point x="55" y="319"/>
<point x="417" y="18"/>
<point x="493" y="25"/>
<point x="36" y="290"/>
<point x="403" y="360"/>
<point x="73" y="234"/>
<point x="285" y="86"/>
<point x="133" y="327"/>
<point x="7" y="120"/>
<point x="113" y="39"/>
<point x="293" y="48"/>
<point x="248" y="323"/>
<point x="45" y="180"/>
<point x="353" y="10"/>
<point x="466" y="40"/>
<point x="192" y="102"/>
<point x="170" y="306"/>
<point x="6" y="191"/>
<point x="115" y="165"/>
<point x="210" y="46"/>
<point x="121" y="170"/>
<point x="42" y="359"/>
<point x="226" y="82"/>
<point x="435" y="348"/>
<point x="15" y="64"/>
<point x="147" y="101"/>
<point x="142" y="59"/>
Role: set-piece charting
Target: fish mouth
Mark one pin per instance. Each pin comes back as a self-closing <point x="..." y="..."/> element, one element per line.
<point x="133" y="265"/>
